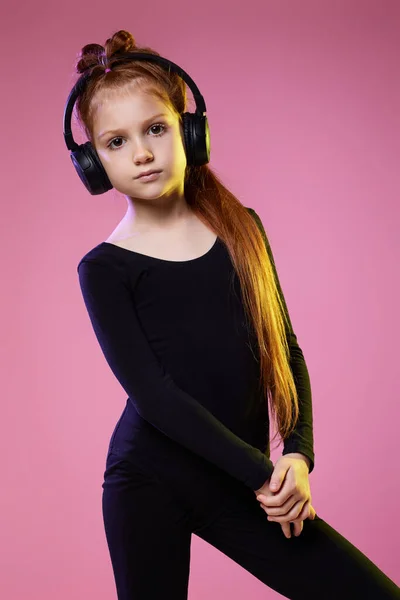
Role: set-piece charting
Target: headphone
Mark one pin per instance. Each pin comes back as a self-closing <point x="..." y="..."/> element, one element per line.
<point x="195" y="129"/>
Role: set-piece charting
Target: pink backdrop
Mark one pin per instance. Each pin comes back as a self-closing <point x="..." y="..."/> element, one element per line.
<point x="305" y="96"/>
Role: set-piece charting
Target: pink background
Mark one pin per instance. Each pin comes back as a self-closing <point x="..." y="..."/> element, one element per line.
<point x="303" y="104"/>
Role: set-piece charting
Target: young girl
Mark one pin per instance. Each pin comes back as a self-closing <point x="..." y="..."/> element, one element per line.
<point x="185" y="302"/>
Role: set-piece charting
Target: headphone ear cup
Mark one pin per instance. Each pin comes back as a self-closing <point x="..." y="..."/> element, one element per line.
<point x="197" y="138"/>
<point x="90" y="169"/>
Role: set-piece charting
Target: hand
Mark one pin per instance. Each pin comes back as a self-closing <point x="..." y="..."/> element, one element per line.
<point x="290" y="502"/>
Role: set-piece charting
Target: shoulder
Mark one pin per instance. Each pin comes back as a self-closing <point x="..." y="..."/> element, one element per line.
<point x="98" y="255"/>
<point x="104" y="259"/>
<point x="253" y="213"/>
<point x="257" y="220"/>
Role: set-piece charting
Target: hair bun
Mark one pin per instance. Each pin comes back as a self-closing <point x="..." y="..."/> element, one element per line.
<point x="95" y="55"/>
<point x="90" y="56"/>
<point x="122" y="41"/>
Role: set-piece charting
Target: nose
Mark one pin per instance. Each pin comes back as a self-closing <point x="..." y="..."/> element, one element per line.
<point x="142" y="155"/>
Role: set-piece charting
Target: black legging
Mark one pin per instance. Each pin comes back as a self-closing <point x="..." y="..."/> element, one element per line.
<point x="149" y="533"/>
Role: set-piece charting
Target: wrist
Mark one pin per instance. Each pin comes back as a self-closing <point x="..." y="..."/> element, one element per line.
<point x="298" y="455"/>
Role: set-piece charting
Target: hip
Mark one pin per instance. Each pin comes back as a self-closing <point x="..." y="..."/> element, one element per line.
<point x="194" y="481"/>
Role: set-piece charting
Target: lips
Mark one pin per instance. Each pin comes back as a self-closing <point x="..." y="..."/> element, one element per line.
<point x="148" y="173"/>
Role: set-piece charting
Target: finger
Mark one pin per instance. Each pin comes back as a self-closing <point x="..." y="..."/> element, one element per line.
<point x="290" y="498"/>
<point x="312" y="513"/>
<point x="297" y="527"/>
<point x="287" y="488"/>
<point x="308" y="512"/>
<point x="286" y="529"/>
<point x="284" y="508"/>
<point x="292" y="515"/>
<point x="305" y="511"/>
<point x="276" y="499"/>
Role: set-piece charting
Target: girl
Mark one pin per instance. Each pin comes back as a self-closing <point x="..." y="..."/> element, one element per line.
<point x="186" y="305"/>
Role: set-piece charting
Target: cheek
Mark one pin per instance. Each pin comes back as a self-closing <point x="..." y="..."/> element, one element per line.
<point x="117" y="162"/>
<point x="179" y="150"/>
<point x="178" y="159"/>
<point x="105" y="158"/>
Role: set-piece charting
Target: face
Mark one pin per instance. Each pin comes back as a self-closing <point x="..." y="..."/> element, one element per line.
<point x="135" y="132"/>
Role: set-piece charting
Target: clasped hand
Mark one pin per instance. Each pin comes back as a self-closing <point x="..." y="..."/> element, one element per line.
<point x="286" y="496"/>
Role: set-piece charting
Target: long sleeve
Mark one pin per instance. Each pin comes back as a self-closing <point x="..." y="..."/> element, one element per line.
<point x="154" y="394"/>
<point x="302" y="438"/>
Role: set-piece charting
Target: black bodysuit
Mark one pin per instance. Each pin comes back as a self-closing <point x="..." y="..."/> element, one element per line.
<point x="174" y="335"/>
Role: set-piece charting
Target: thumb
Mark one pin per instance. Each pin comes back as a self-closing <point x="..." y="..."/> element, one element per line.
<point x="276" y="480"/>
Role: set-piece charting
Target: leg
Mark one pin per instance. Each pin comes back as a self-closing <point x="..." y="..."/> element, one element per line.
<point x="147" y="533"/>
<point x="319" y="564"/>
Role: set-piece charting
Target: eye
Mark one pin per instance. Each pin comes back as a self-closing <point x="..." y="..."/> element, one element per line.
<point x="112" y="141"/>
<point x="111" y="147"/>
<point x="158" y="125"/>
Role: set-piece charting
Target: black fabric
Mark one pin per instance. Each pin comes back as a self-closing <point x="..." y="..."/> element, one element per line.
<point x="174" y="335"/>
<point x="149" y="538"/>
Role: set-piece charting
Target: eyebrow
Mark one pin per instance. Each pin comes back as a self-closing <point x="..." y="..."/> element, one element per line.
<point x="145" y="122"/>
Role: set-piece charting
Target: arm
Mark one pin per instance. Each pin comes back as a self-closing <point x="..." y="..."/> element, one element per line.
<point x="302" y="439"/>
<point x="150" y="388"/>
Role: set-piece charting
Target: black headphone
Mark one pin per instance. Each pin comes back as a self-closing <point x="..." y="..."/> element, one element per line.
<point x="195" y="129"/>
